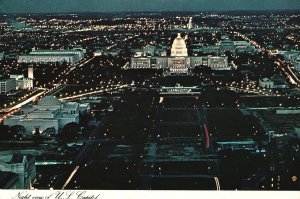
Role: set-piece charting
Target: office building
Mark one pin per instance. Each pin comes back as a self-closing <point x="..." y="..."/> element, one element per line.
<point x="52" y="56"/>
<point x="6" y="85"/>
<point x="22" y="82"/>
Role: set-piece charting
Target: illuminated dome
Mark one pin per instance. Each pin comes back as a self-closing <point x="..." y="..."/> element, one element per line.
<point x="179" y="47"/>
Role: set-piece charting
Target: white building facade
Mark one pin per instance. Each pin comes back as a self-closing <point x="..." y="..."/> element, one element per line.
<point x="49" y="112"/>
<point x="22" y="82"/>
<point x="266" y="83"/>
<point x="218" y="63"/>
<point x="179" y="63"/>
<point x="52" y="56"/>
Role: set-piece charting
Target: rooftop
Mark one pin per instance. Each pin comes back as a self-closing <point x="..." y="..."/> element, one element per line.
<point x="48" y="55"/>
<point x="14" y="158"/>
<point x="5" y="177"/>
<point x="70" y="105"/>
<point x="47" y="50"/>
<point x="265" y="79"/>
<point x="49" y="101"/>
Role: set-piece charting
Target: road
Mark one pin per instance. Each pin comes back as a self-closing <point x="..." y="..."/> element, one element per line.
<point x="3" y="117"/>
<point x="257" y="92"/>
<point x="24" y="102"/>
<point x="66" y="177"/>
<point x="52" y="91"/>
<point x="94" y="92"/>
<point x="14" y="109"/>
<point x="202" y="117"/>
<point x="79" y="65"/>
<point x="57" y="89"/>
<point x="217" y="183"/>
<point x="293" y="79"/>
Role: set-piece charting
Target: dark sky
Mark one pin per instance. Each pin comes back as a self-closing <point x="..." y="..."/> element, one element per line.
<point x="27" y="6"/>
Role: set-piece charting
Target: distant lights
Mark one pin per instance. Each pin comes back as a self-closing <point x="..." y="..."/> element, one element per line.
<point x="294" y="178"/>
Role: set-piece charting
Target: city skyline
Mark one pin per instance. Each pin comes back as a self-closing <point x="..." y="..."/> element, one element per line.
<point x="157" y="95"/>
<point x="56" y="6"/>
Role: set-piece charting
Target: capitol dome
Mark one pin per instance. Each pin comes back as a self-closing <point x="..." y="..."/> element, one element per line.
<point x="179" y="48"/>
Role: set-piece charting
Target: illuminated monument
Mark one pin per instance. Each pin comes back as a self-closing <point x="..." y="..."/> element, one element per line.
<point x="179" y="48"/>
<point x="179" y="63"/>
<point x="190" y="24"/>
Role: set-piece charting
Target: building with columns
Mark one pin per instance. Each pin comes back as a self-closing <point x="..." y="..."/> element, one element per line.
<point x="52" y="56"/>
<point x="49" y="112"/>
<point x="179" y="63"/>
<point x="179" y="48"/>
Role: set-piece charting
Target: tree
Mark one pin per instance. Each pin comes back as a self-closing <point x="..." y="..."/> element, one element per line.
<point x="70" y="132"/>
<point x="17" y="131"/>
<point x="49" y="132"/>
<point x="71" y="127"/>
<point x="4" y="132"/>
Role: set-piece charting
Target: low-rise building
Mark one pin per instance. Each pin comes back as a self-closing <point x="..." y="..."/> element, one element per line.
<point x="291" y="55"/>
<point x="112" y="53"/>
<point x="52" y="56"/>
<point x="7" y="85"/>
<point x="22" y="82"/>
<point x="297" y="64"/>
<point x="140" y="62"/>
<point x="266" y="83"/>
<point x="20" y="170"/>
<point x="218" y="63"/>
<point x="276" y="81"/>
<point x="238" y="145"/>
<point x="196" y="61"/>
<point x="78" y="52"/>
<point x="49" y="112"/>
<point x="98" y="53"/>
<point x="214" y="62"/>
<point x="1" y="56"/>
<point x="8" y="180"/>
<point x="227" y="45"/>
<point x="25" y="83"/>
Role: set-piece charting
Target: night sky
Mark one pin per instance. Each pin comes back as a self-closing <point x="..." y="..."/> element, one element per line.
<point x="34" y="6"/>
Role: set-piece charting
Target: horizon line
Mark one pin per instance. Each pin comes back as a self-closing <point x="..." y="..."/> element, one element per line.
<point x="162" y="11"/>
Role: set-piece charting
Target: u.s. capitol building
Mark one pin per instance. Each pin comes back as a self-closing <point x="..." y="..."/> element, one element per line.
<point x="179" y="63"/>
